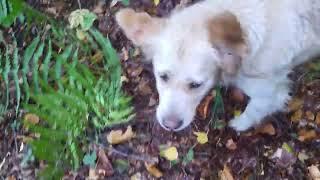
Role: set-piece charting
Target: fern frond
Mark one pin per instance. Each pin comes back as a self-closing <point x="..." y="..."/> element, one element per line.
<point x="35" y="68"/>
<point x="62" y="58"/>
<point x="45" y="65"/>
<point x="15" y="70"/>
<point x="25" y="65"/>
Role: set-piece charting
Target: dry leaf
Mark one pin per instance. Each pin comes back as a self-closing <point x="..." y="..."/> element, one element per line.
<point x="231" y="145"/>
<point x="117" y="136"/>
<point x="153" y="170"/>
<point x="318" y="119"/>
<point x="302" y="156"/>
<point x="202" y="137"/>
<point x="104" y="164"/>
<point x="297" y="116"/>
<point x="171" y="153"/>
<point x="225" y="174"/>
<point x="266" y="129"/>
<point x="237" y="95"/>
<point x="295" y="104"/>
<point x="156" y="2"/>
<point x="306" y="135"/>
<point x="204" y="107"/>
<point x="310" y="116"/>
<point x="92" y="174"/>
<point x="314" y="172"/>
<point x="136" y="176"/>
<point x="32" y="118"/>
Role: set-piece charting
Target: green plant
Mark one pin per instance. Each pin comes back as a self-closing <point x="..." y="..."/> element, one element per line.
<point x="52" y="81"/>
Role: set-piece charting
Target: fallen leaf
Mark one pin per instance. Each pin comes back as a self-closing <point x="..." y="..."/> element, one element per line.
<point x="117" y="136"/>
<point x="306" y="135"/>
<point x="295" y="104"/>
<point x="231" y="145"/>
<point x="318" y="119"/>
<point x="287" y="147"/>
<point x="156" y="2"/>
<point x="189" y="157"/>
<point x="170" y="153"/>
<point x="297" y="116"/>
<point x="237" y="95"/>
<point x="153" y="170"/>
<point x="266" y="129"/>
<point x="32" y="118"/>
<point x="90" y="159"/>
<point x="83" y="18"/>
<point x="283" y="158"/>
<point x="310" y="116"/>
<point x="314" y="172"/>
<point x="302" y="156"/>
<point x="204" y="107"/>
<point x="237" y="113"/>
<point x="136" y="176"/>
<point x="225" y="174"/>
<point x="104" y="163"/>
<point x="121" y="165"/>
<point x="92" y="174"/>
<point x="202" y="137"/>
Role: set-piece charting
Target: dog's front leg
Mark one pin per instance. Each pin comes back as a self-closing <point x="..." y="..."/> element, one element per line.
<point x="266" y="98"/>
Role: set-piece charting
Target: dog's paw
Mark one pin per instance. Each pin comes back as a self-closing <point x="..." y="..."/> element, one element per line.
<point x="240" y="123"/>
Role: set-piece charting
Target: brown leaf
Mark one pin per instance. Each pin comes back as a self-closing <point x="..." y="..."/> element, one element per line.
<point x="310" y="116"/>
<point x="314" y="172"/>
<point x="104" y="166"/>
<point x="11" y="178"/>
<point x="306" y="135"/>
<point x="318" y="119"/>
<point x="237" y="95"/>
<point x="203" y="109"/>
<point x="266" y="129"/>
<point x="125" y="54"/>
<point x="297" y="116"/>
<point x="225" y="174"/>
<point x="231" y="145"/>
<point x="153" y="170"/>
<point x="31" y="118"/>
<point x="295" y="104"/>
<point x="117" y="136"/>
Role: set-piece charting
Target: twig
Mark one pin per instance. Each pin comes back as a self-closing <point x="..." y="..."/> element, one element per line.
<point x="148" y="159"/>
<point x="79" y="4"/>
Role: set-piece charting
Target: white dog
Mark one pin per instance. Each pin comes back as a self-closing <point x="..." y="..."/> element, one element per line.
<point x="252" y="44"/>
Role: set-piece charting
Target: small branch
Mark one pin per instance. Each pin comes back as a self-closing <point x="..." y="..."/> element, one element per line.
<point x="148" y="159"/>
<point x="79" y="4"/>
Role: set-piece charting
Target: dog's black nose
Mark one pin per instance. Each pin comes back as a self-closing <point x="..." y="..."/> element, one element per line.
<point x="172" y="124"/>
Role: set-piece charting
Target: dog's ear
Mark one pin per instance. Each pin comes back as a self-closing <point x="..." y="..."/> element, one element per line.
<point x="139" y="27"/>
<point x="227" y="37"/>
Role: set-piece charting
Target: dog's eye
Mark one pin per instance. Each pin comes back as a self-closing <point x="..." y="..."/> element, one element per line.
<point x="164" y="77"/>
<point x="194" y="85"/>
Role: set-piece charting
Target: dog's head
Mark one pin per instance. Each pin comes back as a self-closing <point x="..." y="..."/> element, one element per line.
<point x="188" y="54"/>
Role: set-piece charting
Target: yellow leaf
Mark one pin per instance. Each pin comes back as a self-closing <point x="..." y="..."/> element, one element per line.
<point x="117" y="136"/>
<point x="156" y="2"/>
<point x="171" y="153"/>
<point x="225" y="174"/>
<point x="237" y="113"/>
<point x="296" y="117"/>
<point x="153" y="170"/>
<point x="31" y="118"/>
<point x="202" y="137"/>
